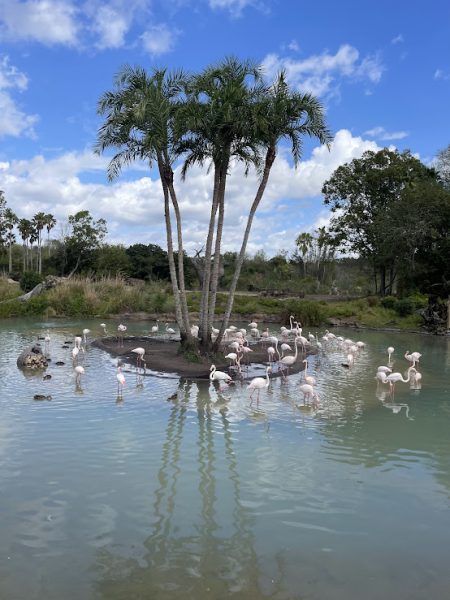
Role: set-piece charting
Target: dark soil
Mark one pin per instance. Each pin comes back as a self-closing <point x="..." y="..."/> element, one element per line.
<point x="163" y="356"/>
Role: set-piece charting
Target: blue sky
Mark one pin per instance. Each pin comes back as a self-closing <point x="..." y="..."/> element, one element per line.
<point x="381" y="69"/>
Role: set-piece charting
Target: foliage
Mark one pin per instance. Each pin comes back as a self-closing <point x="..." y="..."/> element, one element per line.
<point x="405" y="307"/>
<point x="443" y="166"/>
<point x="29" y="280"/>
<point x="389" y="302"/>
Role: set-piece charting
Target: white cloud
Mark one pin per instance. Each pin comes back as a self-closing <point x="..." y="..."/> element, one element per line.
<point x="397" y="39"/>
<point x="235" y="7"/>
<point x="158" y="39"/>
<point x="134" y="211"/>
<point x="13" y="121"/>
<point x="319" y="74"/>
<point x="381" y="134"/>
<point x="440" y="74"/>
<point x="46" y="21"/>
<point x="111" y="27"/>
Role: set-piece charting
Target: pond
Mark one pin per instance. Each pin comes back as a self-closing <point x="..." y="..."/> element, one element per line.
<point x="179" y="490"/>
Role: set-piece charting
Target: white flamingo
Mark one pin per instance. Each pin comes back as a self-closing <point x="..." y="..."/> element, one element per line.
<point x="308" y="393"/>
<point x="85" y="334"/>
<point x="79" y="371"/>
<point x="139" y="357"/>
<point x="259" y="383"/>
<point x="155" y="328"/>
<point x="170" y="331"/>
<point x="219" y="375"/>
<point x="103" y="326"/>
<point x="394" y="378"/>
<point x="308" y="378"/>
<point x="120" y="381"/>
<point x="413" y="357"/>
<point x="288" y="361"/>
<point x="391" y="351"/>
<point x="121" y="328"/>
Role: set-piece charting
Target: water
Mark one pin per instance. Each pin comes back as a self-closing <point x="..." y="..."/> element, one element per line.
<point x="183" y="491"/>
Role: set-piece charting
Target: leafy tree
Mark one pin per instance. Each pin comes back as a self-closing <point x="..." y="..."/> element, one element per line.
<point x="10" y="221"/>
<point x="25" y="228"/>
<point x="84" y="237"/>
<point x="148" y="262"/>
<point x="304" y="243"/>
<point x="361" y="193"/>
<point x="443" y="166"/>
<point x="39" y="222"/>
<point x="50" y="222"/>
<point x="112" y="260"/>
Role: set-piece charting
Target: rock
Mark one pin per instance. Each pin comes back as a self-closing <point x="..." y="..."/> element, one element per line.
<point x="41" y="397"/>
<point x="435" y="316"/>
<point x="32" y="358"/>
<point x="46" y="377"/>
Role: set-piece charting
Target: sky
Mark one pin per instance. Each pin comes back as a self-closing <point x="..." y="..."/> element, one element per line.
<point x="381" y="70"/>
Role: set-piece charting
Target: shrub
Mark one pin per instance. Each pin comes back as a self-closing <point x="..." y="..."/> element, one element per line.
<point x="305" y="311"/>
<point x="389" y="302"/>
<point x="373" y="301"/>
<point x="29" y="280"/>
<point x="405" y="307"/>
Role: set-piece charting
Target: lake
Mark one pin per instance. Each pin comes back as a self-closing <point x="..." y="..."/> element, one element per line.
<point x="179" y="490"/>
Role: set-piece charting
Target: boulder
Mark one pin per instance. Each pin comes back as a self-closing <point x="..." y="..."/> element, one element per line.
<point x="32" y="358"/>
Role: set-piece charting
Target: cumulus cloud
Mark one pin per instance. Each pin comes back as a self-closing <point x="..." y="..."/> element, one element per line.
<point x="440" y="74"/>
<point x="381" y="134"/>
<point x="158" y="39"/>
<point x="46" y="21"/>
<point x="398" y="39"/>
<point x="320" y="74"/>
<point x="134" y="210"/>
<point x="13" y="121"/>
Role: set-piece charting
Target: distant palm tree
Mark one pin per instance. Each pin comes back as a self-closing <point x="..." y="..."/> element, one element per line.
<point x="25" y="228"/>
<point x="50" y="222"/>
<point x="10" y="221"/>
<point x="39" y="221"/>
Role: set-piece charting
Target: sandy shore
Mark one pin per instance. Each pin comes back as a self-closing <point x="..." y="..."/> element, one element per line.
<point x="162" y="356"/>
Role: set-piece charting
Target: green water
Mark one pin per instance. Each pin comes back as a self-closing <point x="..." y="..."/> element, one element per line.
<point x="182" y="491"/>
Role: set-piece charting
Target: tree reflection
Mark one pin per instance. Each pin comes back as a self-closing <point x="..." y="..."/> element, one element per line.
<point x="201" y="543"/>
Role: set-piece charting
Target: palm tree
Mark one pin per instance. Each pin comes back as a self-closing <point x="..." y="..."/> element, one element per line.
<point x="25" y="229"/>
<point x="50" y="222"/>
<point x="214" y="127"/>
<point x="140" y="123"/>
<point x="10" y="221"/>
<point x="277" y="114"/>
<point x="304" y="243"/>
<point x="39" y="221"/>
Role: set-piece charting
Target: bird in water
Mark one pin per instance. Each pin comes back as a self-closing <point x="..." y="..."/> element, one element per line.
<point x="120" y="381"/>
<point x="155" y="328"/>
<point x="219" y="376"/>
<point x="121" y="328"/>
<point x="308" y="378"/>
<point x="413" y="357"/>
<point x="259" y="383"/>
<point x="350" y="361"/>
<point x="288" y="361"/>
<point x="416" y="379"/>
<point x="79" y="371"/>
<point x="391" y="351"/>
<point x="85" y="334"/>
<point x="103" y="326"/>
<point x="309" y="394"/>
<point x="394" y="378"/>
<point x="170" y="332"/>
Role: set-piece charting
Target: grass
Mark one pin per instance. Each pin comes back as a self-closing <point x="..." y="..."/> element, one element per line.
<point x="85" y="297"/>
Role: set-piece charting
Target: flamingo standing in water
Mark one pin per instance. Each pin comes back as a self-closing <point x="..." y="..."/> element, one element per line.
<point x="103" y="326"/>
<point x="259" y="383"/>
<point x="170" y="331"/>
<point x="155" y="328"/>
<point x="120" y="381"/>
<point x="219" y="376"/>
<point x="393" y="378"/>
<point x="391" y="351"/>
<point x="416" y="379"/>
<point x="120" y="331"/>
<point x="85" y="334"/>
<point x="308" y="378"/>
<point x="309" y="393"/>
<point x="413" y="357"/>
<point x="79" y="371"/>
<point x="288" y="361"/>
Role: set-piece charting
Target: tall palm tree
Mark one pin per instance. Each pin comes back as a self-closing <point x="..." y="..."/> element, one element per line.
<point x="10" y="221"/>
<point x="50" y="222"/>
<point x="304" y="243"/>
<point x="25" y="230"/>
<point x="214" y="128"/>
<point x="139" y="122"/>
<point x="39" y="221"/>
<point x="278" y="113"/>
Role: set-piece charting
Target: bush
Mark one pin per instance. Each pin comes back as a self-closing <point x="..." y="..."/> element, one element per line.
<point x="306" y="312"/>
<point x="389" y="302"/>
<point x="405" y="307"/>
<point x="29" y="280"/>
<point x="373" y="301"/>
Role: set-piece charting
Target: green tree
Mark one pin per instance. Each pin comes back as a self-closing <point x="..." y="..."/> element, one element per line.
<point x="443" y="166"/>
<point x="50" y="222"/>
<point x="304" y="243"/>
<point x="139" y="121"/>
<point x="112" y="259"/>
<point x="25" y="228"/>
<point x="361" y="194"/>
<point x="10" y="221"/>
<point x="84" y="238"/>
<point x="39" y="222"/>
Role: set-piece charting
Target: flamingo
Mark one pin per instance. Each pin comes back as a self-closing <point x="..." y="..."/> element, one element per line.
<point x="140" y="357"/>
<point x="169" y="330"/>
<point x="77" y="341"/>
<point x="79" y="371"/>
<point x="391" y="351"/>
<point x="194" y="330"/>
<point x="253" y="325"/>
<point x="259" y="383"/>
<point x="219" y="375"/>
<point x="350" y="361"/>
<point x="271" y="353"/>
<point x="393" y="378"/>
<point x="285" y="348"/>
<point x="308" y="393"/>
<point x="47" y="343"/>
<point x="120" y="381"/>
<point x="245" y="351"/>
<point x="155" y="328"/>
<point x="381" y="377"/>
<point x="103" y="326"/>
<point x="288" y="361"/>
<point x="384" y="369"/>
<point x="232" y="356"/>
<point x="413" y="357"/>
<point x="416" y="379"/>
<point x="75" y="352"/>
<point x="308" y="378"/>
<point x="85" y="333"/>
<point x="120" y="331"/>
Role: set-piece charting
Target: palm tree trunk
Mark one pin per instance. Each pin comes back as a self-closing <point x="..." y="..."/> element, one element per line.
<point x="204" y="333"/>
<point x="181" y="281"/>
<point x="24" y="257"/>
<point x="172" y="269"/>
<point x="216" y="262"/>
<point x="270" y="157"/>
